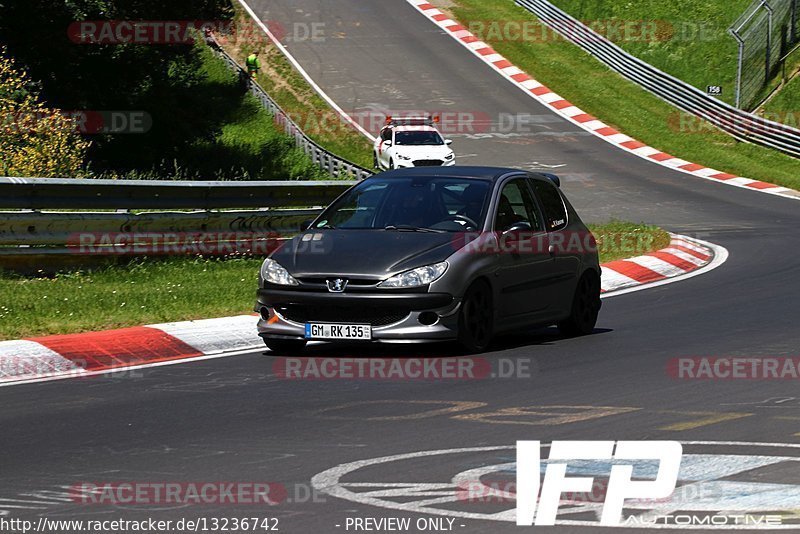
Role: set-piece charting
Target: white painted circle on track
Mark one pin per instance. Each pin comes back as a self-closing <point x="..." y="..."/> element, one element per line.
<point x="710" y="477"/>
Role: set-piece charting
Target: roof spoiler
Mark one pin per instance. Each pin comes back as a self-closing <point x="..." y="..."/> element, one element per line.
<point x="420" y="120"/>
<point x="552" y="177"/>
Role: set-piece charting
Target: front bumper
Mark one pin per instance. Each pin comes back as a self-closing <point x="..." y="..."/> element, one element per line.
<point x="283" y="314"/>
<point x="408" y="164"/>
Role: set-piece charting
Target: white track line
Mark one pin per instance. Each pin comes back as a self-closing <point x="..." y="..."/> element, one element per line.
<point x="305" y="75"/>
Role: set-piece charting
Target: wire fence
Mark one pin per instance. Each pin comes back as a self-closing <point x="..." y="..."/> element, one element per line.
<point x="764" y="33"/>
<point x="740" y="124"/>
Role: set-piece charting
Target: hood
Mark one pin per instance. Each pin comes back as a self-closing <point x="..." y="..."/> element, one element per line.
<point x="424" y="152"/>
<point x="371" y="254"/>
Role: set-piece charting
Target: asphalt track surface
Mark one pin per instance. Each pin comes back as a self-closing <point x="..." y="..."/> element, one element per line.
<point x="231" y="419"/>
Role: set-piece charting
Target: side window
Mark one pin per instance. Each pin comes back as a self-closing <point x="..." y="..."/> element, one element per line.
<point x="516" y="205"/>
<point x="555" y="214"/>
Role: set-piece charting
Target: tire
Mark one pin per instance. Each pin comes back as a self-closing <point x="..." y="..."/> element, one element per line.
<point x="285" y="346"/>
<point x="391" y="164"/>
<point x="585" y="307"/>
<point x="375" y="161"/>
<point x="476" y="318"/>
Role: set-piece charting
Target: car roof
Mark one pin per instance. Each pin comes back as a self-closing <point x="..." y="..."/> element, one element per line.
<point x="490" y="174"/>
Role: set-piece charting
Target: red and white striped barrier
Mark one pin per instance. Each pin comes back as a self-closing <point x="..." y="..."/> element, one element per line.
<point x="683" y="258"/>
<point x="77" y="355"/>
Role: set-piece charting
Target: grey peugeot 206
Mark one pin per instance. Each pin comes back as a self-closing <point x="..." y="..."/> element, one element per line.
<point x="426" y="254"/>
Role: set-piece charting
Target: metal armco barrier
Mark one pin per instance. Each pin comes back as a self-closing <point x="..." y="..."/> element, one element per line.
<point x="739" y="124"/>
<point x="29" y="231"/>
<point x="68" y="193"/>
<point x="326" y="160"/>
<point x="63" y="228"/>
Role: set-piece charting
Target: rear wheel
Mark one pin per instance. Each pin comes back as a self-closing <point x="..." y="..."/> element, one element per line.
<point x="285" y="346"/>
<point x="585" y="307"/>
<point x="476" y="318"/>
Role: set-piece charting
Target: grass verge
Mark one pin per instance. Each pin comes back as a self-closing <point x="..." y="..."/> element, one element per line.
<point x="578" y="77"/>
<point x="290" y="90"/>
<point x="179" y="289"/>
<point x="250" y="135"/>
<point x="115" y="296"/>
<point x="687" y="39"/>
<point x="786" y="104"/>
<point x="240" y="141"/>
<point x="618" y="240"/>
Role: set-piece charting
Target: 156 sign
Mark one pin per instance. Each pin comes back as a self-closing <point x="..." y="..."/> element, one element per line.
<point x="620" y="485"/>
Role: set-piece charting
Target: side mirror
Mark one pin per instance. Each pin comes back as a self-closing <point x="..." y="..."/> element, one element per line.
<point x="387" y="144"/>
<point x="305" y="225"/>
<point x="520" y="226"/>
<point x="448" y="141"/>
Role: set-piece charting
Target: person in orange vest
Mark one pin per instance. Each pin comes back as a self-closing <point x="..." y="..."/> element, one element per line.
<point x="253" y="64"/>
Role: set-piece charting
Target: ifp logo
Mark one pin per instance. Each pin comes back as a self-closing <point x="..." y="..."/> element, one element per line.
<point x="620" y="483"/>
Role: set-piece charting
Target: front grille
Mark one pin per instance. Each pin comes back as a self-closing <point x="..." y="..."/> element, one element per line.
<point x="427" y="163"/>
<point x="351" y="282"/>
<point x="343" y="314"/>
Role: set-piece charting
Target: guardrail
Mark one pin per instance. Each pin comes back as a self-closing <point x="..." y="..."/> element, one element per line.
<point x="325" y="159"/>
<point x="739" y="124"/>
<point x="36" y="233"/>
<point x="215" y="210"/>
<point x="69" y="193"/>
<point x="29" y="231"/>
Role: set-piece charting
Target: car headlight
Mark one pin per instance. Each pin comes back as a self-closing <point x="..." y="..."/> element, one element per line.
<point x="274" y="273"/>
<point x="400" y="156"/>
<point x="420" y="276"/>
<point x="449" y="156"/>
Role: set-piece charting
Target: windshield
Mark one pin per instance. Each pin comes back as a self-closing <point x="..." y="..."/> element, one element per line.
<point x="410" y="204"/>
<point x="418" y="138"/>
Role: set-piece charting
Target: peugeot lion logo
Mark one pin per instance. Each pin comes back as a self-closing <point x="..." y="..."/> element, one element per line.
<point x="336" y="285"/>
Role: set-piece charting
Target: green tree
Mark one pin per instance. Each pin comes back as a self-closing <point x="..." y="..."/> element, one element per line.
<point x="159" y="79"/>
<point x="34" y="140"/>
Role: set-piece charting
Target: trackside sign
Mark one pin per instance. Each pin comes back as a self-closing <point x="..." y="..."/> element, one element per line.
<point x="620" y="483"/>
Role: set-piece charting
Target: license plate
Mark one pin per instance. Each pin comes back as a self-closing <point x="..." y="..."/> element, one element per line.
<point x="338" y="331"/>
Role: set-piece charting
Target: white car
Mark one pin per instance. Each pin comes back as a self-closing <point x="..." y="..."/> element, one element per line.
<point x="411" y="142"/>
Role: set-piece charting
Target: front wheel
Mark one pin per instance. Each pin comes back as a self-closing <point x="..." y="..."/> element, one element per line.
<point x="391" y="164"/>
<point x="476" y="318"/>
<point x="285" y="346"/>
<point x="375" y="161"/>
<point x="585" y="307"/>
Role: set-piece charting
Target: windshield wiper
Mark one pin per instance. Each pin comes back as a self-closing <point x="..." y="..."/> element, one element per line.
<point x="409" y="228"/>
